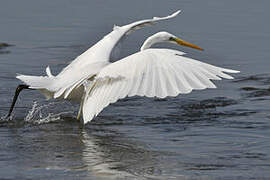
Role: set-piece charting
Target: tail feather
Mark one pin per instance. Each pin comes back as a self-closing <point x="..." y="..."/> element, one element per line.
<point x="44" y="84"/>
<point x="37" y="82"/>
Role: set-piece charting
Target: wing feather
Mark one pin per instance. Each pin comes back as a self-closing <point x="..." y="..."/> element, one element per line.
<point x="181" y="84"/>
<point x="148" y="22"/>
<point x="152" y="73"/>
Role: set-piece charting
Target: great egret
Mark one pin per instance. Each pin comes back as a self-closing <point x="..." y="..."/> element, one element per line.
<point x="95" y="82"/>
<point x="68" y="83"/>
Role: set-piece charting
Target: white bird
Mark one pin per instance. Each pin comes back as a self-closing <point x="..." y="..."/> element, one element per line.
<point x="96" y="83"/>
<point x="68" y="83"/>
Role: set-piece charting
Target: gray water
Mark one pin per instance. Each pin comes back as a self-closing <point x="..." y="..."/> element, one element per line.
<point x="220" y="133"/>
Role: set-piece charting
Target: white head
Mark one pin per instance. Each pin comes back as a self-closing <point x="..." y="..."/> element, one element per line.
<point x="166" y="37"/>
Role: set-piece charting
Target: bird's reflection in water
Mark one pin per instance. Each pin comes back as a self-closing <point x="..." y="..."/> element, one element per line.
<point x="99" y="163"/>
<point x="116" y="157"/>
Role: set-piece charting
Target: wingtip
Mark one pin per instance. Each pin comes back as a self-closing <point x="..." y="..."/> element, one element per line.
<point x="176" y="13"/>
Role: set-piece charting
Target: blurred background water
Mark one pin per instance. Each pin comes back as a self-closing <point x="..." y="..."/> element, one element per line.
<point x="220" y="133"/>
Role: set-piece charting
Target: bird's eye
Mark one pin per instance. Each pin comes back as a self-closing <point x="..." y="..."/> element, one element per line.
<point x="171" y="39"/>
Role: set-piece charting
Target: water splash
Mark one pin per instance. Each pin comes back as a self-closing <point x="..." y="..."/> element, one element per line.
<point x="4" y="119"/>
<point x="41" y="114"/>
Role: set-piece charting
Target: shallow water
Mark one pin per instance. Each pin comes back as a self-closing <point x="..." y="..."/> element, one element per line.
<point x="220" y="133"/>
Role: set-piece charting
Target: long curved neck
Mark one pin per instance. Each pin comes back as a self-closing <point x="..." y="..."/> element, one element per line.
<point x="149" y="42"/>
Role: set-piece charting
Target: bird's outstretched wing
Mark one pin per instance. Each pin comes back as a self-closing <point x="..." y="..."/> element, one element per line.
<point x="102" y="50"/>
<point x="152" y="73"/>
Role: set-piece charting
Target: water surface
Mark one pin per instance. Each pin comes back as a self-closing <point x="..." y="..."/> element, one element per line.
<point x="211" y="134"/>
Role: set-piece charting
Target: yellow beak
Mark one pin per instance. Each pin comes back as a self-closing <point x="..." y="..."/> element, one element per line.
<point x="184" y="43"/>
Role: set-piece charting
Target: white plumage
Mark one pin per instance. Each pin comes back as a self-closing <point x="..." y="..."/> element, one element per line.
<point x="151" y="73"/>
<point x="96" y="83"/>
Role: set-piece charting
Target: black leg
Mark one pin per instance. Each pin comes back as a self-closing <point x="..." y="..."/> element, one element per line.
<point x="17" y="92"/>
